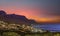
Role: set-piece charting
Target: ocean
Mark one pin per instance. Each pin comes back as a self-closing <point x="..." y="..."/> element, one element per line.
<point x="49" y="27"/>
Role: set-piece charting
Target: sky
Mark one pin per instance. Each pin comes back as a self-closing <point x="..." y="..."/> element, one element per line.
<point x="39" y="10"/>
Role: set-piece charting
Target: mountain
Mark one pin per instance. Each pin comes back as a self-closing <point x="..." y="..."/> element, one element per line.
<point x="32" y="21"/>
<point x="15" y="19"/>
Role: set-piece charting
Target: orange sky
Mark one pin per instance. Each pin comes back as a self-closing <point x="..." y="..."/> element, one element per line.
<point x="33" y="15"/>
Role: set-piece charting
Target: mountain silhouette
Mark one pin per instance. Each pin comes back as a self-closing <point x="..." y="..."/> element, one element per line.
<point x="15" y="19"/>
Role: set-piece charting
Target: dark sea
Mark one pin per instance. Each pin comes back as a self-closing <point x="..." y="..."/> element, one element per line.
<point x="49" y="27"/>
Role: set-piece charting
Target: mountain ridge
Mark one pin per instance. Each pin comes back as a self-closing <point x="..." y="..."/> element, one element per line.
<point x="13" y="18"/>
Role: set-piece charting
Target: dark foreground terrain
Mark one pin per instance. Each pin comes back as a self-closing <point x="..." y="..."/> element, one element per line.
<point x="28" y="34"/>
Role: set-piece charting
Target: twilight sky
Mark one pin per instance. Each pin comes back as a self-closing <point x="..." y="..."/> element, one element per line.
<point x="40" y="10"/>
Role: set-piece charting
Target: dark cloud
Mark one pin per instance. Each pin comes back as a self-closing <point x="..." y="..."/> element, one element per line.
<point x="54" y="14"/>
<point x="53" y="10"/>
